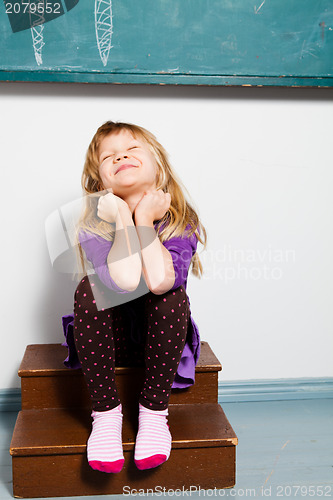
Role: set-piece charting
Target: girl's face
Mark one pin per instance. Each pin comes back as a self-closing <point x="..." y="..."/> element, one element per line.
<point x="126" y="164"/>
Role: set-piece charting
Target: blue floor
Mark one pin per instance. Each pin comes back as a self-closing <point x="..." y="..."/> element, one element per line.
<point x="285" y="450"/>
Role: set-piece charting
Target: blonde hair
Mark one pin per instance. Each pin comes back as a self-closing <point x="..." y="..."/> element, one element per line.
<point x="180" y="213"/>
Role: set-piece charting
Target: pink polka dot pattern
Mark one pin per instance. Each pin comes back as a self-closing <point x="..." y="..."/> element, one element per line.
<point x="165" y="322"/>
<point x="107" y="340"/>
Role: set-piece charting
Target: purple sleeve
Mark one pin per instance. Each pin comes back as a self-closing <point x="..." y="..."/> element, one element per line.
<point x="97" y="249"/>
<point x="182" y="250"/>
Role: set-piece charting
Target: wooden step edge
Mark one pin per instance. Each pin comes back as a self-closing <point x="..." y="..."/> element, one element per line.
<point x="63" y="432"/>
<point x="207" y="361"/>
<point x="119" y="370"/>
<point x="46" y="360"/>
<point x="80" y="449"/>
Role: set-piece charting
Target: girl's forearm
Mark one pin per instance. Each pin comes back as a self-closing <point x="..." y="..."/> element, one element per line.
<point x="124" y="260"/>
<point x="157" y="262"/>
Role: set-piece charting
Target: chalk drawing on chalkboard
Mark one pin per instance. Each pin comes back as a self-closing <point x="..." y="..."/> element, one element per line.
<point x="256" y="10"/>
<point x="103" y="26"/>
<point x="38" y="42"/>
<point x="37" y="21"/>
<point x="315" y="43"/>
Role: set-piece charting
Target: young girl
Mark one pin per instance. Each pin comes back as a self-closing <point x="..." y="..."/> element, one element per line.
<point x="139" y="233"/>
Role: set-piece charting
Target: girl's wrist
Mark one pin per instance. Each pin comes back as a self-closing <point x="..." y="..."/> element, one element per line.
<point x="143" y="220"/>
<point x="124" y="217"/>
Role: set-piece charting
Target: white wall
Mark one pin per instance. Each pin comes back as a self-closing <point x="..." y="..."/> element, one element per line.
<point x="258" y="166"/>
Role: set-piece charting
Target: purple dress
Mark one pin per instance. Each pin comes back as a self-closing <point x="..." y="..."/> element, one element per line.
<point x="181" y="249"/>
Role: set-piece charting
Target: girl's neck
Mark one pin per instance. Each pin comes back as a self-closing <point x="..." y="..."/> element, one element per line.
<point x="132" y="200"/>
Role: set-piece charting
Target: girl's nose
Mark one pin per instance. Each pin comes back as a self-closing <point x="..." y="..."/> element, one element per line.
<point x="121" y="157"/>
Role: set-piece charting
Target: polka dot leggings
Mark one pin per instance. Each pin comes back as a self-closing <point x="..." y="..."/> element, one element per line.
<point x="104" y="339"/>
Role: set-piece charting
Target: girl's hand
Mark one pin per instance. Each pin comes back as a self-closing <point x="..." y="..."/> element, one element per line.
<point x="153" y="205"/>
<point x="109" y="206"/>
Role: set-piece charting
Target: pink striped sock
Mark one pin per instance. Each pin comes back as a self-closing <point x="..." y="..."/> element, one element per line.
<point x="104" y="446"/>
<point x="153" y="440"/>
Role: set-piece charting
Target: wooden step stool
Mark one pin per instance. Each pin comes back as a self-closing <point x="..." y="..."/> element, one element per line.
<point x="48" y="447"/>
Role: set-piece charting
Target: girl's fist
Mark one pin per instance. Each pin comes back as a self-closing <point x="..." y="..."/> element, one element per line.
<point x="109" y="205"/>
<point x="153" y="205"/>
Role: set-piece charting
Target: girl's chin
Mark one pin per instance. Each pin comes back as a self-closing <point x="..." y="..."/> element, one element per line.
<point x="125" y="193"/>
<point x="131" y="188"/>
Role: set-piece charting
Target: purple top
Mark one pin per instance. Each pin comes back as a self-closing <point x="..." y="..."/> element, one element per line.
<point x="181" y="249"/>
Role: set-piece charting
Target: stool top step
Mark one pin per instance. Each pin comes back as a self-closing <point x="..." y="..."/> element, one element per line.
<point x="45" y="360"/>
<point x="65" y="432"/>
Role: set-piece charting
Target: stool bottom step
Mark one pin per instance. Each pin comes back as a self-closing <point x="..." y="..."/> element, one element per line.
<point x="70" y="475"/>
<point x="49" y="455"/>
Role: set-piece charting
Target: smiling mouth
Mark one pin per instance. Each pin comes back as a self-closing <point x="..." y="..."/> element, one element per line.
<point x="124" y="167"/>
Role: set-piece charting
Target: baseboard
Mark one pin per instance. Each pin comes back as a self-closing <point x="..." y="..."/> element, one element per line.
<point x="238" y="391"/>
<point x="10" y="400"/>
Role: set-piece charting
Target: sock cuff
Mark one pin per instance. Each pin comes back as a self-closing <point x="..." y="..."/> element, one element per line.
<point x="117" y="409"/>
<point x="147" y="411"/>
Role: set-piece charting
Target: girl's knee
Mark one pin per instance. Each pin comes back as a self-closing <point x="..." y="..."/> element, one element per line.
<point x="83" y="286"/>
<point x="175" y="299"/>
<point x="176" y="295"/>
<point x="84" y="296"/>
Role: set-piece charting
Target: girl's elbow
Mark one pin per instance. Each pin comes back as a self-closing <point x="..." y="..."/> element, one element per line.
<point x="163" y="287"/>
<point x="159" y="291"/>
<point x="128" y="279"/>
<point x="131" y="285"/>
<point x="127" y="283"/>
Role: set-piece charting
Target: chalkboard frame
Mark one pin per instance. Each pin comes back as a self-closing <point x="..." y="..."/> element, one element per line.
<point x="166" y="79"/>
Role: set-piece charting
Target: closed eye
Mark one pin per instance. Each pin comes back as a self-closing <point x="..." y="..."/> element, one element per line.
<point x="106" y="157"/>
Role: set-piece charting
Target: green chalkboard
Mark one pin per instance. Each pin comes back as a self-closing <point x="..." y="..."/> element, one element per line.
<point x="193" y="42"/>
